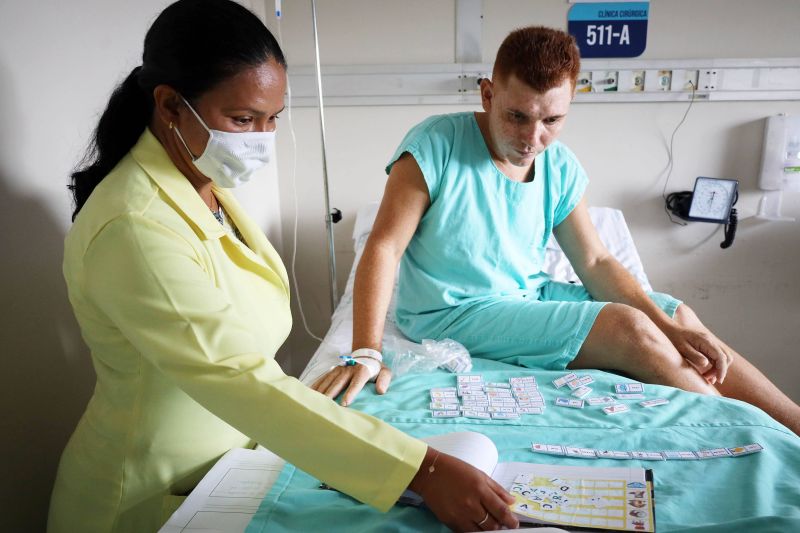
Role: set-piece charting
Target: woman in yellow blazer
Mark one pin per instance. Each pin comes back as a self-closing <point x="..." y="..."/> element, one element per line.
<point x="183" y="302"/>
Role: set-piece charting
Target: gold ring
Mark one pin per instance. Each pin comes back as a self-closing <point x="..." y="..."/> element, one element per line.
<point x="485" y="518"/>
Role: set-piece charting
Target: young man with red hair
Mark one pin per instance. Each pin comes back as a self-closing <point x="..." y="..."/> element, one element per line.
<point x="471" y="201"/>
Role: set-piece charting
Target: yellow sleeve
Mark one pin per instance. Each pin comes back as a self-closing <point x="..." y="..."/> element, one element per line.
<point x="154" y="286"/>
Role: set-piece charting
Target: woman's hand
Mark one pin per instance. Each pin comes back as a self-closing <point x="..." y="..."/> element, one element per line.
<point x="354" y="377"/>
<point x="462" y="497"/>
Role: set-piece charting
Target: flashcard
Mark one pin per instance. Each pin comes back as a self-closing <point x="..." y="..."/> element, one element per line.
<point x="615" y="409"/>
<point x="745" y="450"/>
<point x="647" y="456"/>
<point x="551" y="449"/>
<point x="532" y="411"/>
<point x="629" y="396"/>
<point x="623" y="388"/>
<point x="612" y="454"/>
<point x="654" y="402"/>
<point x="679" y="455"/>
<point x="531" y="403"/>
<point x="505" y="416"/>
<point x="569" y="402"/>
<point x="601" y="400"/>
<point x="560" y="382"/>
<point x="572" y="451"/>
<point x="475" y="403"/>
<point x="498" y="385"/>
<point x="470" y="378"/>
<point x="480" y="408"/>
<point x="446" y="414"/>
<point x="580" y="382"/>
<point x="582" y="392"/>
<point x="472" y="413"/>
<point x="719" y="452"/>
<point x="443" y="406"/>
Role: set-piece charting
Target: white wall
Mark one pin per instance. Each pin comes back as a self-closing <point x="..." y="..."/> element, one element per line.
<point x="59" y="62"/>
<point x="748" y="294"/>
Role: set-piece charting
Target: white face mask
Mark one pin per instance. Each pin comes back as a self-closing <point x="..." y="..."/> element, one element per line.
<point x="229" y="159"/>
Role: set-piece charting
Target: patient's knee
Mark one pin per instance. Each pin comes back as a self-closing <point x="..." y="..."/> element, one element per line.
<point x="639" y="338"/>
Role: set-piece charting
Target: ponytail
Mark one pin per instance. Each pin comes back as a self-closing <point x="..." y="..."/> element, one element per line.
<point x="123" y="121"/>
<point x="231" y="39"/>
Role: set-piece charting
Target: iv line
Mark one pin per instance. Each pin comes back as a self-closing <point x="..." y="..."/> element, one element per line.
<point x="294" y="192"/>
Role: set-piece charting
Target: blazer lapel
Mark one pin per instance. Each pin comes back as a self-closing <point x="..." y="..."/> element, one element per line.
<point x="260" y="254"/>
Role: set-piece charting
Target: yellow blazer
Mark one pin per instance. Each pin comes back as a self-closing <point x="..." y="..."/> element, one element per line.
<point x="183" y="322"/>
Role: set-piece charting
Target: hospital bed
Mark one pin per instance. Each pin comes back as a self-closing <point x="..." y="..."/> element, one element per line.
<point x="758" y="492"/>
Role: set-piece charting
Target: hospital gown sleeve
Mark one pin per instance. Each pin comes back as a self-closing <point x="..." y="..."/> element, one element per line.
<point x="157" y="289"/>
<point x="430" y="143"/>
<point x="569" y="180"/>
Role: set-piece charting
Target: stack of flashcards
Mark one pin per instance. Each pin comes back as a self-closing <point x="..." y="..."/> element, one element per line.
<point x="664" y="455"/>
<point x="474" y="398"/>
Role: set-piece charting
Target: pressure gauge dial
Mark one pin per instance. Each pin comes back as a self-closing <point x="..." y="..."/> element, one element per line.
<point x="712" y="199"/>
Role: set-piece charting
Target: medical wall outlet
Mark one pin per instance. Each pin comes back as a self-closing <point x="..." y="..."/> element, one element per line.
<point x="604" y="81"/>
<point x="664" y="80"/>
<point x="712" y="200"/>
<point x="584" y="82"/>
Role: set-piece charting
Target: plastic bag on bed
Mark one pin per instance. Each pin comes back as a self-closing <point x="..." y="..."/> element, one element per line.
<point x="404" y="356"/>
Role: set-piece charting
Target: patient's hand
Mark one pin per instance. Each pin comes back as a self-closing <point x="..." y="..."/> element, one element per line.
<point x="703" y="351"/>
<point x="354" y="378"/>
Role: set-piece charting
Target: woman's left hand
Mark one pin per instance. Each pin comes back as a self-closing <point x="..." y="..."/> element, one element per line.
<point x="354" y="377"/>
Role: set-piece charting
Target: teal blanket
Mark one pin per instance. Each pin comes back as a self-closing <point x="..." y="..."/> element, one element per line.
<point x="759" y="492"/>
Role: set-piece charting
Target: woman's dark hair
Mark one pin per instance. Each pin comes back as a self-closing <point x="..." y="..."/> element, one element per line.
<point x="192" y="46"/>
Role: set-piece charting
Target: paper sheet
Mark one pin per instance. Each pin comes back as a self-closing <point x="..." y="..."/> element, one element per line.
<point x="228" y="496"/>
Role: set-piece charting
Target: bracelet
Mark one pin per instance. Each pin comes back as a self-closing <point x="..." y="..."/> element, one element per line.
<point x="367" y="352"/>
<point x="432" y="467"/>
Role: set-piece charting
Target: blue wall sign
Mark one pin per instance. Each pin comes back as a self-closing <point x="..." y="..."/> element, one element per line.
<point x="609" y="29"/>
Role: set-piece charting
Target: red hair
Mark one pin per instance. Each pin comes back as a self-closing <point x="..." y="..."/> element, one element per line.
<point x="538" y="56"/>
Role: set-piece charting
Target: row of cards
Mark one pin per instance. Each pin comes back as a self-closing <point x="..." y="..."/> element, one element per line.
<point x="666" y="455"/>
<point x="612" y="407"/>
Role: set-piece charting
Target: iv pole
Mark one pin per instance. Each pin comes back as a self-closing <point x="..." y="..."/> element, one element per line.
<point x="331" y="217"/>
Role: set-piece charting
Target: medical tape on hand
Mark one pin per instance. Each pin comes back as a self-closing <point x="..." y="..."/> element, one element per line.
<point x="371" y="363"/>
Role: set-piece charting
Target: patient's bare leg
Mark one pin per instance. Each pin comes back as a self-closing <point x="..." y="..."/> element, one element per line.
<point x="625" y="339"/>
<point x="745" y="382"/>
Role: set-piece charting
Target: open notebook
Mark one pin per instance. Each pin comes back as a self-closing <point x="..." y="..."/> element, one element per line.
<point x="588" y="498"/>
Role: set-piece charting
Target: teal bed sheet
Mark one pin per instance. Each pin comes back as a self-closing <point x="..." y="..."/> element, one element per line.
<point x="759" y="492"/>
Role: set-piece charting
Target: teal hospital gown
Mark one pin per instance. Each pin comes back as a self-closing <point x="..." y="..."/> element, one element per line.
<point x="472" y="271"/>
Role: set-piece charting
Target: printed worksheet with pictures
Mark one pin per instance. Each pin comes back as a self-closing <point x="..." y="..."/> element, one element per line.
<point x="591" y="498"/>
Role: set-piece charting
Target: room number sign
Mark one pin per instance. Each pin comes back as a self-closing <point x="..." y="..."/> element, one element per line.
<point x="609" y="29"/>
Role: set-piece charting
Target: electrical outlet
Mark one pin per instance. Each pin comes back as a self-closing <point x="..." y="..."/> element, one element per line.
<point x="708" y="79"/>
<point x="684" y="80"/>
<point x="630" y="81"/>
